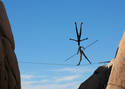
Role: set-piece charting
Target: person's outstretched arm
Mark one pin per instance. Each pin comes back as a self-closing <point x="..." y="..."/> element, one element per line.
<point x="84" y="39"/>
<point x="73" y="39"/>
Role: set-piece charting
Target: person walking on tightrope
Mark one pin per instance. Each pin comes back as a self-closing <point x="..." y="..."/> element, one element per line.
<point x="78" y="41"/>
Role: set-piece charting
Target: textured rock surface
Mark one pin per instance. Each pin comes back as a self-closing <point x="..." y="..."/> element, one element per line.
<point x="111" y="76"/>
<point x="4" y="23"/>
<point x="117" y="76"/>
<point x="98" y="80"/>
<point x="9" y="71"/>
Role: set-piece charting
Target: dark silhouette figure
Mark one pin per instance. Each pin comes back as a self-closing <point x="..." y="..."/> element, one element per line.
<point x="78" y="34"/>
<point x="81" y="52"/>
<point x="78" y="41"/>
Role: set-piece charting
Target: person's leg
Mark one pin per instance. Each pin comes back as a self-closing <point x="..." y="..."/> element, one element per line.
<point x="80" y="59"/>
<point x="78" y="51"/>
<point x="86" y="57"/>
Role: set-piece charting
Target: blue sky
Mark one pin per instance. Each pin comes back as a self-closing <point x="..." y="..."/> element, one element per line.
<point x="42" y="29"/>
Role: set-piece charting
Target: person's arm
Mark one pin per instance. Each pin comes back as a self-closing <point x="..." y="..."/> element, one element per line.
<point x="84" y="39"/>
<point x="76" y="29"/>
<point x="73" y="39"/>
<point x="81" y="29"/>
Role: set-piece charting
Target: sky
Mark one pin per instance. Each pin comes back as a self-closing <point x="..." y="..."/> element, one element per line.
<point x="42" y="29"/>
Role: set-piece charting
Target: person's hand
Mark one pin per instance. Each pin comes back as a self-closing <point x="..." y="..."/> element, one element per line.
<point x="86" y="39"/>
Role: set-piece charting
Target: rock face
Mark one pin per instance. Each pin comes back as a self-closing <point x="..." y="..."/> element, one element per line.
<point x="98" y="80"/>
<point x="111" y="76"/>
<point x="9" y="71"/>
<point x="117" y="76"/>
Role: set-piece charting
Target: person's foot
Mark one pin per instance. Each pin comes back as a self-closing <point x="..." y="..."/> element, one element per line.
<point x="78" y="64"/>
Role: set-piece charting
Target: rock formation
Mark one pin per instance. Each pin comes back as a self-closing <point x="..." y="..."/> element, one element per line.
<point x="9" y="71"/>
<point x="98" y="80"/>
<point x="111" y="76"/>
<point x="117" y="76"/>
